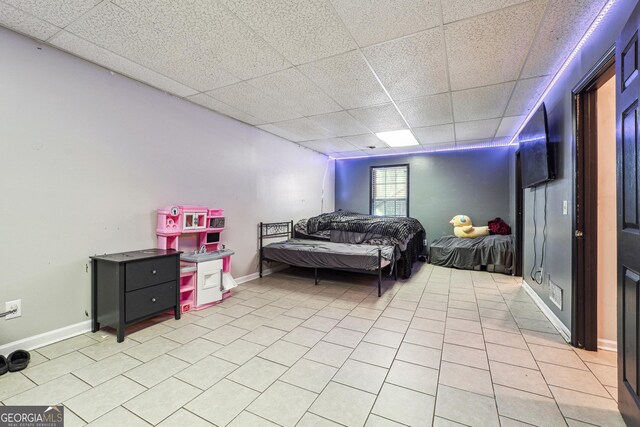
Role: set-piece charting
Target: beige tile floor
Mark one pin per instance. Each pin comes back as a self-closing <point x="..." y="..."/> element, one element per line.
<point x="445" y="348"/>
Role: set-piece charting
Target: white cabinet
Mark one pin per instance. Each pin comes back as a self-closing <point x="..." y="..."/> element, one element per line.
<point x="209" y="282"/>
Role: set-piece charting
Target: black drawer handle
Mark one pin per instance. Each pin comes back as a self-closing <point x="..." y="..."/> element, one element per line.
<point x="153" y="300"/>
<point x="154" y="271"/>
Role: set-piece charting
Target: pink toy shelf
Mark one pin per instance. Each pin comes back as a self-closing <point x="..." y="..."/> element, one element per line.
<point x="195" y="228"/>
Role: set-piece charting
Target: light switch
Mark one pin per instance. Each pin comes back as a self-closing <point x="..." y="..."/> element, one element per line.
<point x="565" y="207"/>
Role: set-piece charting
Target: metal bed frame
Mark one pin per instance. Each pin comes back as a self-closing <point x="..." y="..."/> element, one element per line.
<point x="271" y="230"/>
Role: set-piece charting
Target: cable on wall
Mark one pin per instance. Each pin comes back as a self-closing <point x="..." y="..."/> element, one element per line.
<point x="537" y="271"/>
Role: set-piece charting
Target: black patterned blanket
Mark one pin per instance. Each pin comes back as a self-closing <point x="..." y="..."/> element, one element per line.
<point x="397" y="228"/>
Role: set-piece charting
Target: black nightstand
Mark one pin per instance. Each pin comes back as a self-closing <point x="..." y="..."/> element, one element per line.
<point x="129" y="287"/>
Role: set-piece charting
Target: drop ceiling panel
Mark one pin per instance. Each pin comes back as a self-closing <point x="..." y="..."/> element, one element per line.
<point x="244" y="97"/>
<point x="439" y="147"/>
<point x="293" y="88"/>
<point x="25" y="23"/>
<point x="302" y="30"/>
<point x="374" y="22"/>
<point x="380" y="118"/>
<point x="455" y="69"/>
<point x="82" y="48"/>
<point x="349" y="154"/>
<point x="140" y="40"/>
<point x="411" y="66"/>
<point x="509" y="126"/>
<point x="455" y="10"/>
<point x="210" y="28"/>
<point x="485" y="102"/>
<point x="60" y="12"/>
<point x="213" y="104"/>
<point x="564" y="25"/>
<point x="340" y="123"/>
<point x="304" y="129"/>
<point x="480" y="129"/>
<point x="435" y="134"/>
<point x="382" y="151"/>
<point x="280" y="132"/>
<point x="347" y="79"/>
<point x="491" y="48"/>
<point x="427" y="111"/>
<point x="365" y="141"/>
<point x="330" y="145"/>
<point x="525" y="95"/>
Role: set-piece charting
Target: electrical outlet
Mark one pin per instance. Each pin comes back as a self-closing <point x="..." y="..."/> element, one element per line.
<point x="555" y="294"/>
<point x="10" y="305"/>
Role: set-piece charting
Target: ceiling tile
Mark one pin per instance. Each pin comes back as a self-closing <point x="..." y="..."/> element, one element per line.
<point x="491" y="48"/>
<point x="427" y="111"/>
<point x="374" y="22"/>
<point x="485" y="102"/>
<point x="380" y="118"/>
<point x="435" y="134"/>
<point x="564" y="24"/>
<point x="293" y="88"/>
<point x="480" y="129"/>
<point x="303" y="129"/>
<point x="279" y="132"/>
<point x="25" y="23"/>
<point x="350" y="154"/>
<point x="139" y="40"/>
<point x="455" y="10"/>
<point x="302" y="30"/>
<point x="509" y="126"/>
<point x="250" y="100"/>
<point x="327" y="146"/>
<point x="59" y="13"/>
<point x="89" y="51"/>
<point x="439" y="147"/>
<point x="222" y="108"/>
<point x="211" y="34"/>
<point x="411" y="66"/>
<point x="382" y="151"/>
<point x="347" y="79"/>
<point x="366" y="141"/>
<point x="340" y="123"/>
<point x="525" y="95"/>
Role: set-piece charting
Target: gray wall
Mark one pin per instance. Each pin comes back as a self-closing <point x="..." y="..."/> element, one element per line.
<point x="441" y="185"/>
<point x="87" y="157"/>
<point x="557" y="261"/>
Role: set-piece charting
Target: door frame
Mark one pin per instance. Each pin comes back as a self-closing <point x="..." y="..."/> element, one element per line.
<point x="519" y="206"/>
<point x="584" y="313"/>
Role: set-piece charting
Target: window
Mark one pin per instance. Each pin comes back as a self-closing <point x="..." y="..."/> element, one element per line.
<point x="390" y="190"/>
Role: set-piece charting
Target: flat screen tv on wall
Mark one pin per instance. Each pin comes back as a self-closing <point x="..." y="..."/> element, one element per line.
<point x="536" y="152"/>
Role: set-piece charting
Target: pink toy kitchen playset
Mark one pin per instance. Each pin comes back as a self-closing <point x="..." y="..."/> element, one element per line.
<point x="205" y="264"/>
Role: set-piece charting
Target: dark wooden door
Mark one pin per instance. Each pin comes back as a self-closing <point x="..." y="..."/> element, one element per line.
<point x="628" y="162"/>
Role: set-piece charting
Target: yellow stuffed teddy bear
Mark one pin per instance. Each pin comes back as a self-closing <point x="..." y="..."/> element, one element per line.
<point x="463" y="227"/>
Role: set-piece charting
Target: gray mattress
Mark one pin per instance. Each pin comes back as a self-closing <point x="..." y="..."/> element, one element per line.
<point x="451" y="251"/>
<point x="319" y="254"/>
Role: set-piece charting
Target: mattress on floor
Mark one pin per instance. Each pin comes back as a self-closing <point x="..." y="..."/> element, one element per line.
<point x="451" y="251"/>
<point x="319" y="254"/>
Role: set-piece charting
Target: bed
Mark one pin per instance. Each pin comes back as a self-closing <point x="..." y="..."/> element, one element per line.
<point x="323" y="254"/>
<point x="406" y="235"/>
<point x="495" y="250"/>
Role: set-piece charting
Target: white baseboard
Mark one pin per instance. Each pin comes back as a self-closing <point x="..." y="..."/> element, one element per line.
<point x="47" y="338"/>
<point x="56" y="335"/>
<point x="265" y="272"/>
<point x="608" y="345"/>
<point x="564" y="331"/>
